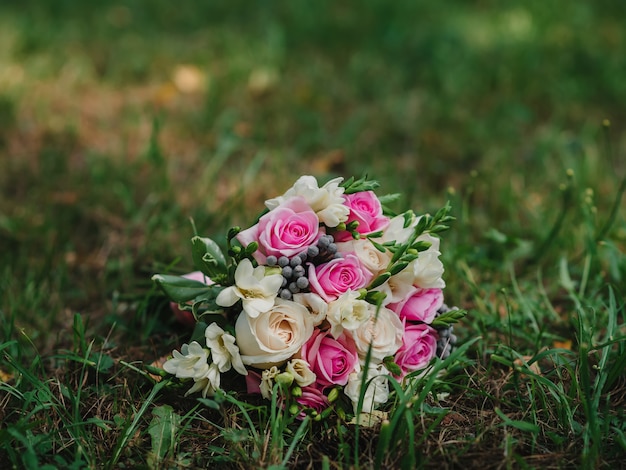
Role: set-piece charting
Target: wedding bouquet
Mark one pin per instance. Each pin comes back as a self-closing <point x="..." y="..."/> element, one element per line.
<point x="326" y="298"/>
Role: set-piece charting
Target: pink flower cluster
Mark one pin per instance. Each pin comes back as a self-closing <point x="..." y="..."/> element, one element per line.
<point x="345" y="309"/>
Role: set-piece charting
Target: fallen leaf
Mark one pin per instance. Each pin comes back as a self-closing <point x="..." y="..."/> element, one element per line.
<point x="566" y="344"/>
<point x="5" y="376"/>
<point x="370" y="419"/>
<point x="534" y="367"/>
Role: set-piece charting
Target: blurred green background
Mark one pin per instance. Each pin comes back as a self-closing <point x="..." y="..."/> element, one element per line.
<point x="120" y="120"/>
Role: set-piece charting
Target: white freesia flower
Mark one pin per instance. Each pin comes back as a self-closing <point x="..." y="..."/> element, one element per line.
<point x="301" y="371"/>
<point x="267" y="381"/>
<point x="224" y="350"/>
<point x="326" y="202"/>
<point x="382" y="332"/>
<point x="256" y="289"/>
<point x="348" y="312"/>
<point x="377" y="391"/>
<point x="207" y="384"/>
<point x="190" y="362"/>
<point x="316" y="306"/>
<point x="274" y="336"/>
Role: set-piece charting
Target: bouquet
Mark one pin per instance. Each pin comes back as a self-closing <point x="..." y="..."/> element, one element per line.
<point x="326" y="298"/>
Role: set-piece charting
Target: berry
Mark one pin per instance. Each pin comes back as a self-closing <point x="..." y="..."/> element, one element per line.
<point x="272" y="260"/>
<point x="323" y="242"/>
<point x="298" y="271"/>
<point x="302" y="282"/>
<point x="313" y="251"/>
<point x="283" y="261"/>
<point x="287" y="272"/>
<point x="295" y="261"/>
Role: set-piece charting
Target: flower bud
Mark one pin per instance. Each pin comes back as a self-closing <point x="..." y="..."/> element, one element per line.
<point x="296" y="392"/>
<point x="284" y="379"/>
<point x="352" y="226"/>
<point x="232" y="233"/>
<point x="333" y="395"/>
<point x="252" y="247"/>
<point x="272" y="270"/>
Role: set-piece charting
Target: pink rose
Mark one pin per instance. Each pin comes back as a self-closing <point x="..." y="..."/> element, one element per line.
<point x="365" y="208"/>
<point x="312" y="398"/>
<point x="418" y="348"/>
<point x="330" y="280"/>
<point x="185" y="316"/>
<point x="285" y="231"/>
<point x="419" y="305"/>
<point x="331" y="359"/>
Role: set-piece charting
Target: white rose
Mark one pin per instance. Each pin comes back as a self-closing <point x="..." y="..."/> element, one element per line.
<point x="377" y="391"/>
<point x="274" y="336"/>
<point x="383" y="331"/>
<point x="256" y="289"/>
<point x="316" y="306"/>
<point x="326" y="202"/>
<point x="301" y="371"/>
<point x="373" y="259"/>
<point x="348" y="312"/>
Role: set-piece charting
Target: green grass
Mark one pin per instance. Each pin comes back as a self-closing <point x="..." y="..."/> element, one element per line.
<point x="511" y="110"/>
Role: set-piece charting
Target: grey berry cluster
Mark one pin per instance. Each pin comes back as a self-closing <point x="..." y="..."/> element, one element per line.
<point x="447" y="339"/>
<point x="294" y="269"/>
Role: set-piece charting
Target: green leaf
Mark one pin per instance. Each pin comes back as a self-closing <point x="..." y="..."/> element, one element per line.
<point x="103" y="362"/>
<point x="375" y="297"/>
<point x="388" y="198"/>
<point x="356" y="186"/>
<point x="392" y="366"/>
<point x="180" y="289"/>
<point x="446" y="319"/>
<point x="198" y="333"/>
<point x="378" y="246"/>
<point x="423" y="223"/>
<point x="380" y="280"/>
<point x="397" y="268"/>
<point x="421" y="245"/>
<point x="155" y="370"/>
<point x="521" y="425"/>
<point x="439" y="228"/>
<point x="209" y="403"/>
<point x="163" y="430"/>
<point x="208" y="256"/>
